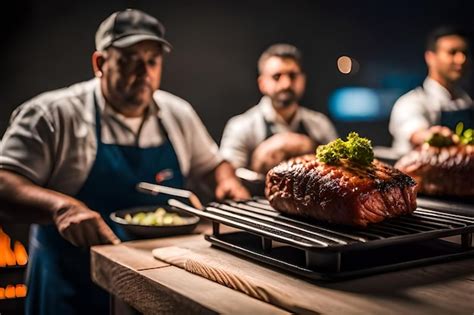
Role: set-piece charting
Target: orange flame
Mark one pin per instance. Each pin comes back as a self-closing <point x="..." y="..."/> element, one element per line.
<point x="9" y="257"/>
<point x="10" y="291"/>
<point x="13" y="291"/>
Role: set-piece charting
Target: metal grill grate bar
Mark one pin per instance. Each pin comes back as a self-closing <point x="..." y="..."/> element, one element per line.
<point x="455" y="217"/>
<point x="447" y="221"/>
<point x="269" y="213"/>
<point x="281" y="231"/>
<point x="402" y="229"/>
<point x="231" y="222"/>
<point x="280" y="218"/>
<point x="422" y="223"/>
<point x="282" y="223"/>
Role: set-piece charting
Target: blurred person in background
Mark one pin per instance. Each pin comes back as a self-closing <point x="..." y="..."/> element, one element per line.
<point x="72" y="156"/>
<point x="278" y="127"/>
<point x="440" y="100"/>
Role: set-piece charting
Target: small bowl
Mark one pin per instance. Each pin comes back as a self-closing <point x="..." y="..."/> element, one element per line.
<point x="153" y="231"/>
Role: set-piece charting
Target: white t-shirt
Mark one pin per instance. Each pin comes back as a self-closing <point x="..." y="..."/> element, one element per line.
<point x="421" y="108"/>
<point x="243" y="133"/>
<point x="52" y="138"/>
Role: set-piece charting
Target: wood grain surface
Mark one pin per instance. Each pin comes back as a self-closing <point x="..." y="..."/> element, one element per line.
<point x="130" y="272"/>
<point x="151" y="286"/>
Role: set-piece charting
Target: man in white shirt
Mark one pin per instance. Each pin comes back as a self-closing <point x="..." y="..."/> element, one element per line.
<point x="277" y="127"/>
<point x="70" y="157"/>
<point x="440" y="100"/>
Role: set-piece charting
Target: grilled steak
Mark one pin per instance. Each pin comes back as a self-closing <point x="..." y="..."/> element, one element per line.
<point x="439" y="171"/>
<point x="347" y="193"/>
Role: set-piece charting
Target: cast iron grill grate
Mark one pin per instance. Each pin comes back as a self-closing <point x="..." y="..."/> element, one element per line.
<point x="319" y="250"/>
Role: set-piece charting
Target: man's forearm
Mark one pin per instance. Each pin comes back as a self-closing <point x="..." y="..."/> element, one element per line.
<point x="227" y="184"/>
<point x="21" y="201"/>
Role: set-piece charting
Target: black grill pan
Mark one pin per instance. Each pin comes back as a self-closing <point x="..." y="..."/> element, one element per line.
<point x="323" y="251"/>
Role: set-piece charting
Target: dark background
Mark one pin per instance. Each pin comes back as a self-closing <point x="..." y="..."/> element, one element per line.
<point x="48" y="44"/>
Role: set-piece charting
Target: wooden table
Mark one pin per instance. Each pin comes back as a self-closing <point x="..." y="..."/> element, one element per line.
<point x="130" y="272"/>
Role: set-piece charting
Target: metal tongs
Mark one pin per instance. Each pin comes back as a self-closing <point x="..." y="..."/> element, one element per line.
<point x="249" y="175"/>
<point x="154" y="189"/>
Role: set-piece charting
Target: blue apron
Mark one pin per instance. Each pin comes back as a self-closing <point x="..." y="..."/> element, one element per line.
<point x="452" y="118"/>
<point x="58" y="279"/>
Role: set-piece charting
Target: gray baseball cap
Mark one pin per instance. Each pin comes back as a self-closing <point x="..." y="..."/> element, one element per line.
<point x="125" y="28"/>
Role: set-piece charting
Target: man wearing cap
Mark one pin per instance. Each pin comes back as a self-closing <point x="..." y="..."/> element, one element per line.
<point x="70" y="157"/>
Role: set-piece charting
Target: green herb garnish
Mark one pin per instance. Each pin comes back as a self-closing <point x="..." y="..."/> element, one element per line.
<point x="459" y="128"/>
<point x="332" y="152"/>
<point x="356" y="149"/>
<point x="466" y="136"/>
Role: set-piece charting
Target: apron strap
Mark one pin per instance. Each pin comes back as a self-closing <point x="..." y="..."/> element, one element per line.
<point x="269" y="126"/>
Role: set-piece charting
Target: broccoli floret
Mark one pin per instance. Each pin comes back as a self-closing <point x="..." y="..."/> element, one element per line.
<point x="355" y="149"/>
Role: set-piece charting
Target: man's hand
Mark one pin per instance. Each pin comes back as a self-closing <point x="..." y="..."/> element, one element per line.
<point x="421" y="136"/>
<point x="231" y="188"/>
<point x="278" y="148"/>
<point x="83" y="227"/>
<point x="227" y="184"/>
<point x="24" y="201"/>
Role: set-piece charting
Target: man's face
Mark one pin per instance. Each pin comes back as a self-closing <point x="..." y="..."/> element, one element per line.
<point x="450" y="59"/>
<point x="282" y="80"/>
<point x="132" y="74"/>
